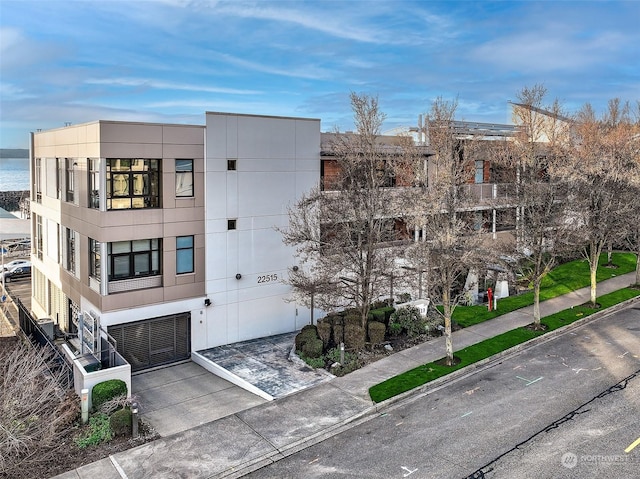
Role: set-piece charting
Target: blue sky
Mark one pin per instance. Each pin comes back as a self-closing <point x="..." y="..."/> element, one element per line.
<point x="172" y="60"/>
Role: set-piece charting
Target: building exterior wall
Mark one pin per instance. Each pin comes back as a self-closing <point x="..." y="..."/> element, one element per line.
<point x="276" y="160"/>
<point x="76" y="146"/>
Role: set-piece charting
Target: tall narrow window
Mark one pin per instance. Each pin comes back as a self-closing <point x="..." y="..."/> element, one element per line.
<point x="94" y="183"/>
<point x="184" y="178"/>
<point x="184" y="254"/>
<point x="94" y="259"/>
<point x="39" y="232"/>
<point x="70" y="179"/>
<point x="37" y="180"/>
<point x="479" y="178"/>
<point x="59" y="177"/>
<point x="70" y="250"/>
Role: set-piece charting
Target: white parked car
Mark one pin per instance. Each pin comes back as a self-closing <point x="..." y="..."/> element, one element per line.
<point x="14" y="263"/>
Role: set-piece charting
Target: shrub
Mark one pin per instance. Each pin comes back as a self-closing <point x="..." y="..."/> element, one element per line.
<point x="376" y="315"/>
<point x="308" y="333"/>
<point x="354" y="336"/>
<point x="324" y="331"/>
<point x="404" y="298"/>
<point x="313" y="348"/>
<point x="99" y="430"/>
<point x="349" y="364"/>
<point x="432" y="323"/>
<point x="315" y="363"/>
<point x="120" y="422"/>
<point x="376" y="332"/>
<point x="410" y="320"/>
<point x="107" y="390"/>
<point x="352" y="318"/>
<point x="395" y="328"/>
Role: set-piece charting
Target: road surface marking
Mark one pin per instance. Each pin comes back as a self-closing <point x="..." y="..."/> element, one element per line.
<point x="530" y="381"/>
<point x="409" y="471"/>
<point x="467" y="413"/>
<point x="632" y="445"/>
<point x="315" y="460"/>
<point x="623" y="355"/>
<point x="471" y="391"/>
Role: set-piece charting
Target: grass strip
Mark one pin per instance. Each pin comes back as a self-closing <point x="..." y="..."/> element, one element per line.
<point x="563" y="279"/>
<point x="476" y="352"/>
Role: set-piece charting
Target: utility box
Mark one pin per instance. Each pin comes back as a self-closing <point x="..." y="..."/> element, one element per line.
<point x="47" y="326"/>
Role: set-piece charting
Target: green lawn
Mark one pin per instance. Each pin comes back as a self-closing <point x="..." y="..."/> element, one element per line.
<point x="428" y="372"/>
<point x="561" y="280"/>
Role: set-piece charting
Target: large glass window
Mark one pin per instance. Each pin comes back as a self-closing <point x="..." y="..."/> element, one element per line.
<point x="94" y="183"/>
<point x="184" y="177"/>
<point x="133" y="259"/>
<point x="133" y="183"/>
<point x="184" y="254"/>
<point x="94" y="259"/>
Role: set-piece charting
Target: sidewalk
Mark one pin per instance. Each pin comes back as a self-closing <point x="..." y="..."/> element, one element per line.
<point x="237" y="444"/>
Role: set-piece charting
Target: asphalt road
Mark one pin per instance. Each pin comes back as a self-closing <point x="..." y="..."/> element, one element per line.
<point x="568" y="407"/>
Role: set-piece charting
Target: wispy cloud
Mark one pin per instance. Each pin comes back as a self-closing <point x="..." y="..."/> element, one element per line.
<point x="164" y="85"/>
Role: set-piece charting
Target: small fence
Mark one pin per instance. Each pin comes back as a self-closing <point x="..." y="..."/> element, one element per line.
<point x="38" y="337"/>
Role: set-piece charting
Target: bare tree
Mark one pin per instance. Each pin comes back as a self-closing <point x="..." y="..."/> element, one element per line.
<point x="343" y="232"/>
<point x="534" y="155"/>
<point x="451" y="246"/>
<point x="35" y="413"/>
<point x="597" y="170"/>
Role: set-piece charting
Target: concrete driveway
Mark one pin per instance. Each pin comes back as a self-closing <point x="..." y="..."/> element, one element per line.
<point x="179" y="397"/>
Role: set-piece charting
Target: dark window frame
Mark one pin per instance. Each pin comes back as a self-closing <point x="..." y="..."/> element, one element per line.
<point x="182" y="251"/>
<point x="132" y="259"/>
<point x="94" y="259"/>
<point x="127" y="172"/>
<point x="183" y="170"/>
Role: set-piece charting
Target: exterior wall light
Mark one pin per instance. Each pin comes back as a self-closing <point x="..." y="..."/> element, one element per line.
<point x="207" y="302"/>
<point x="238" y="276"/>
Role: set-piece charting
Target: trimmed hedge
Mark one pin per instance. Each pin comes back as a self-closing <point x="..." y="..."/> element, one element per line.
<point x="376" y="332"/>
<point x="106" y="391"/>
<point x="120" y="422"/>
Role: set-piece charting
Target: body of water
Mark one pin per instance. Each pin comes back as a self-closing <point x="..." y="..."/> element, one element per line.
<point x="14" y="174"/>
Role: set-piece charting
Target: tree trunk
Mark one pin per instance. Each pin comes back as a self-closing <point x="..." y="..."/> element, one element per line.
<point x="593" y="270"/>
<point x="536" y="302"/>
<point x="447" y="327"/>
<point x="638" y="267"/>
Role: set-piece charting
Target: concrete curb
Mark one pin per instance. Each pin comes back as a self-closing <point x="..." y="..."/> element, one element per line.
<point x="413" y="395"/>
<point x="486" y="363"/>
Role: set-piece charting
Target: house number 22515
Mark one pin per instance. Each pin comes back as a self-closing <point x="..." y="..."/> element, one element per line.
<point x="267" y="278"/>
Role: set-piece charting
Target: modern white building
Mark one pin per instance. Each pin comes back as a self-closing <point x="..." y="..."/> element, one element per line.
<point x="255" y="168"/>
<point x="166" y="233"/>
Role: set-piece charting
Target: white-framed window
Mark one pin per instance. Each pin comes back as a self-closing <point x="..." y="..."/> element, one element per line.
<point x="94" y="183"/>
<point x="184" y="254"/>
